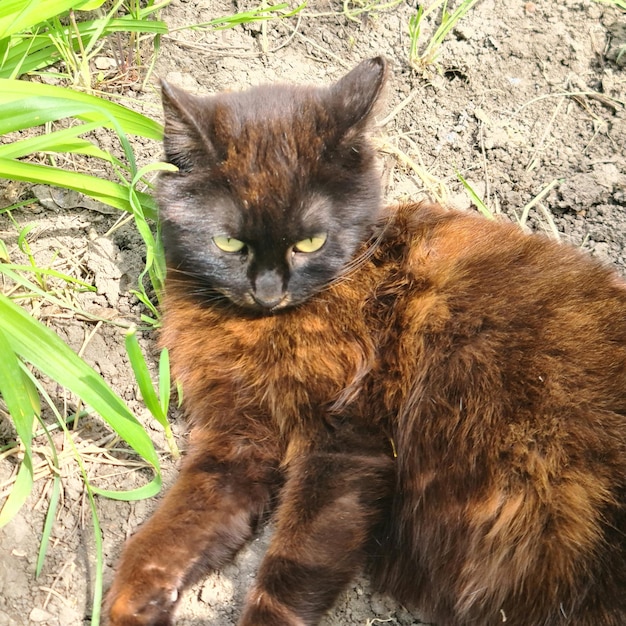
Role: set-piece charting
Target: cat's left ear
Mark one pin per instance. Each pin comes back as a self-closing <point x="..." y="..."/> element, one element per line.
<point x="354" y="96"/>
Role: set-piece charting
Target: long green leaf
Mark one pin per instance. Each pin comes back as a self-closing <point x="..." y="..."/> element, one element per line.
<point x="165" y="380"/>
<point x="113" y="194"/>
<point x="20" y="491"/>
<point x="37" y="110"/>
<point x="18" y="15"/>
<point x="46" y="271"/>
<point x="130" y="121"/>
<point x="278" y="11"/>
<point x="18" y="393"/>
<point x="48" y="353"/>
<point x="143" y="378"/>
<point x="53" y="504"/>
<point x="64" y="140"/>
<point x="157" y="406"/>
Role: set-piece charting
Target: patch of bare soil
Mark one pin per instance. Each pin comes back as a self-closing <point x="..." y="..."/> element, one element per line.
<point x="527" y="105"/>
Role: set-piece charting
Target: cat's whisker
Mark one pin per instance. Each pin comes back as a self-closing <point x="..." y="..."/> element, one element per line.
<point x="356" y="263"/>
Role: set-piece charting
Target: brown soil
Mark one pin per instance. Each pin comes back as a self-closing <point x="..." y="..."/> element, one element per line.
<point x="526" y="96"/>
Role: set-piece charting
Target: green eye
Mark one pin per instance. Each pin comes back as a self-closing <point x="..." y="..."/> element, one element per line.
<point x="312" y="244"/>
<point x="228" y="244"/>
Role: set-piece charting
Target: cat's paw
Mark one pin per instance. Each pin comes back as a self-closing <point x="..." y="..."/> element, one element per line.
<point x="146" y="601"/>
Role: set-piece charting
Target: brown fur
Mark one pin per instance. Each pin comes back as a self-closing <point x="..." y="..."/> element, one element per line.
<point x="451" y="415"/>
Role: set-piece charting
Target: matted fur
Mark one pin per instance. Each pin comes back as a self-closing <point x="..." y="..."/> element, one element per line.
<point x="444" y="404"/>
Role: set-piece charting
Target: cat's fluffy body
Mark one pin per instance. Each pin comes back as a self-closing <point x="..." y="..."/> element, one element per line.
<point x="449" y="413"/>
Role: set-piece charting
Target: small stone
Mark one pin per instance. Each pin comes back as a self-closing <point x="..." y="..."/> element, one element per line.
<point x="104" y="63"/>
<point x="39" y="615"/>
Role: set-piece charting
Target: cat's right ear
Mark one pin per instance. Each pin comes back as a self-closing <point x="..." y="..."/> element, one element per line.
<point x="188" y="119"/>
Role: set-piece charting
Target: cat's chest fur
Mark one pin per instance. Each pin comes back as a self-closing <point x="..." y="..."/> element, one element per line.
<point x="338" y="353"/>
<point x="292" y="366"/>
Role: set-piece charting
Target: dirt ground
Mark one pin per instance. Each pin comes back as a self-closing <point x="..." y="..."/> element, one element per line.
<point x="527" y="103"/>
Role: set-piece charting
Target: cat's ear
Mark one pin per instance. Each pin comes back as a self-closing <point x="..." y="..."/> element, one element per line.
<point x="353" y="97"/>
<point x="187" y="122"/>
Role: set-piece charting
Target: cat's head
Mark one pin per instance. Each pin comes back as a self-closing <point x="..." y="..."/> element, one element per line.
<point x="276" y="187"/>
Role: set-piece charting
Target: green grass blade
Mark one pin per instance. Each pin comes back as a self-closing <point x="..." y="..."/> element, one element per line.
<point x="131" y="122"/>
<point x="141" y="493"/>
<point x="18" y="392"/>
<point x="19" y="15"/>
<point x="97" y="537"/>
<point x="4" y="253"/>
<point x="64" y="140"/>
<point x="23" y="405"/>
<point x="47" y="272"/>
<point x="449" y="21"/>
<point x="47" y="352"/>
<point x="158" y="407"/>
<point x="113" y="194"/>
<point x="143" y="378"/>
<point x="165" y="380"/>
<point x="20" y="491"/>
<point x="30" y="112"/>
<point x="53" y="504"/>
<point x="476" y="199"/>
<point x="254" y="15"/>
<point x="128" y="24"/>
<point x="91" y="5"/>
<point x="155" y="255"/>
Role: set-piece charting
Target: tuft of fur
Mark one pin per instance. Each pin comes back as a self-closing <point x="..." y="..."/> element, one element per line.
<point x="445" y="407"/>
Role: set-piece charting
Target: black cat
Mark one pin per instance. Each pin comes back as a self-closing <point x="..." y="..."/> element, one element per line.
<point x="429" y="395"/>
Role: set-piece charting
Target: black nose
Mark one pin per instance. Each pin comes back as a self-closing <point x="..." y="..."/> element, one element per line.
<point x="269" y="290"/>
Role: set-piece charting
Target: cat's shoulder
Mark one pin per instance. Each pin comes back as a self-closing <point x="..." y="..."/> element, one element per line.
<point x="463" y="251"/>
<point x="459" y="235"/>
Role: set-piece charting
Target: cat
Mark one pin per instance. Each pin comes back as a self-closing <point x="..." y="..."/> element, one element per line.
<point x="428" y="395"/>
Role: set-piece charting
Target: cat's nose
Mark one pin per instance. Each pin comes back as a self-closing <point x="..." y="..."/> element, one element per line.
<point x="268" y="289"/>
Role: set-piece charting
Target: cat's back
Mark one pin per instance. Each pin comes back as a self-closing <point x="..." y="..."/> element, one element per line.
<point x="494" y="327"/>
<point x="471" y="284"/>
<point x="508" y="386"/>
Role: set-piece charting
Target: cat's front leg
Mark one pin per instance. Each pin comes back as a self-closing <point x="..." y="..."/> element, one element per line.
<point x="205" y="518"/>
<point x="330" y="505"/>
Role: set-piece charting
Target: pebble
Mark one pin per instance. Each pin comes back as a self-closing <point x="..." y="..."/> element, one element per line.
<point x="39" y="615"/>
<point x="104" y="63"/>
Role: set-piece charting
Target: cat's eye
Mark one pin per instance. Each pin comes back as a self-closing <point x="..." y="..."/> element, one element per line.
<point x="228" y="244"/>
<point x="312" y="244"/>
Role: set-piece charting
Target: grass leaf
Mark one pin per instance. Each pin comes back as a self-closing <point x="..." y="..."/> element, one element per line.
<point x="476" y="199"/>
<point x="64" y="140"/>
<point x="142" y="376"/>
<point x="165" y="380"/>
<point x="48" y="353"/>
<point x="22" y="486"/>
<point x="23" y="404"/>
<point x="18" y="15"/>
<point x="106" y="191"/>
<point x="95" y="109"/>
<point x="158" y="407"/>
